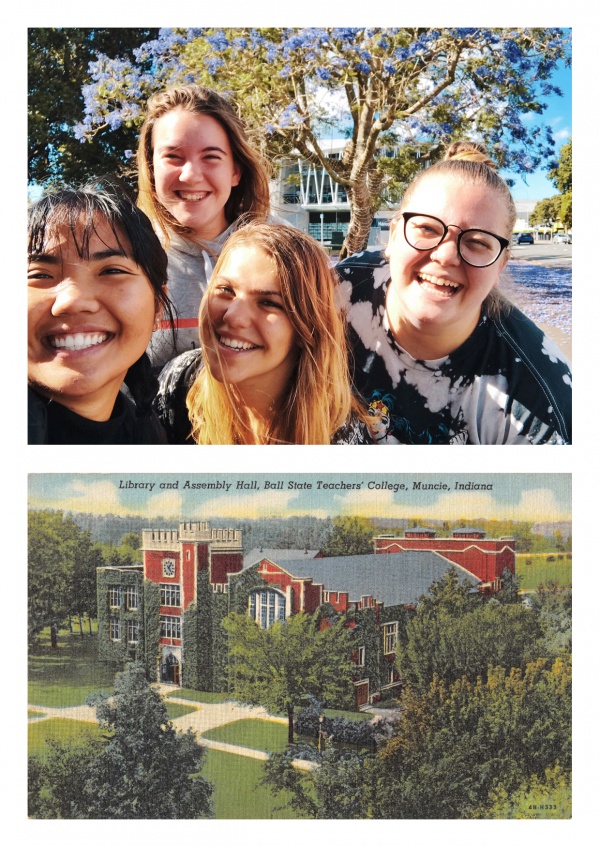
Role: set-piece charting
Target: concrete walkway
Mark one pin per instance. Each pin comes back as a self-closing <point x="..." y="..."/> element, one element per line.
<point x="201" y="719"/>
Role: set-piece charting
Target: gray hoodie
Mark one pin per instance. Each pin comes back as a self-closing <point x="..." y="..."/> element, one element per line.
<point x="189" y="271"/>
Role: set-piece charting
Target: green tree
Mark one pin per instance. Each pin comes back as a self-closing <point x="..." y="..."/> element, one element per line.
<point x="279" y="666"/>
<point x="57" y="780"/>
<point x="58" y="68"/>
<point x="458" y="743"/>
<point x="448" y="645"/>
<point x="562" y="177"/>
<point x="546" y="211"/>
<point x="350" y="536"/>
<point x="410" y="89"/>
<point x="147" y="770"/>
<point x="55" y="546"/>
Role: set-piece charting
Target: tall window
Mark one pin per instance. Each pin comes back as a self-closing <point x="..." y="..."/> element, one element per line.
<point x="132" y="599"/>
<point x="267" y="606"/>
<point x="133" y="631"/>
<point x="114" y="596"/>
<point x="390" y="638"/>
<point x="115" y="628"/>
<point x="170" y="595"/>
<point x="359" y="657"/>
<point x="170" y="626"/>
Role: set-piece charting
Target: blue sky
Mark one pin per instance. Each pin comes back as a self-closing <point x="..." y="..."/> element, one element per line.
<point x="558" y="115"/>
<point x="518" y="496"/>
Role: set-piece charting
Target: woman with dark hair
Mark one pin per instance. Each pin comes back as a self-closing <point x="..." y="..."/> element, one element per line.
<point x="197" y="176"/>
<point x="429" y="329"/>
<point x="96" y="286"/>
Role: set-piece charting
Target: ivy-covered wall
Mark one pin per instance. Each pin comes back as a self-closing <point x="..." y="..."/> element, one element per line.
<point x="151" y="628"/>
<point x="113" y="651"/>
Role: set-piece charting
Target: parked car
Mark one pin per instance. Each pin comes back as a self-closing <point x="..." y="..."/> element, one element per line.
<point x="562" y="238"/>
<point x="525" y="238"/>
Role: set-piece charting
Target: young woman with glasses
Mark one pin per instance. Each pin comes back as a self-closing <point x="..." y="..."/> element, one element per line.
<point x="453" y="360"/>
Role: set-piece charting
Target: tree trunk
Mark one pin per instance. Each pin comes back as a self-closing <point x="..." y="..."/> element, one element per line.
<point x="90" y="622"/>
<point x="54" y="636"/>
<point x="290" y="715"/>
<point x="80" y="625"/>
<point x="361" y="217"/>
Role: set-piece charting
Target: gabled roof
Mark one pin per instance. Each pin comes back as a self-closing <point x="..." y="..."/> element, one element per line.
<point x="396" y="579"/>
<point x="256" y="555"/>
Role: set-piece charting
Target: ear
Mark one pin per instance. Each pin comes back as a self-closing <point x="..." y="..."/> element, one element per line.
<point x="393" y="236"/>
<point x="236" y="175"/>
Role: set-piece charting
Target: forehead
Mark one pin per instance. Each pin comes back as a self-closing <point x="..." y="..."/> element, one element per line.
<point x="87" y="236"/>
<point x="180" y="127"/>
<point x="464" y="203"/>
<point x="248" y="266"/>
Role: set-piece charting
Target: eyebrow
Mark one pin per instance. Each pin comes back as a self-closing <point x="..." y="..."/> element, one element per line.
<point x="100" y="255"/>
<point x="171" y="147"/>
<point x="256" y="292"/>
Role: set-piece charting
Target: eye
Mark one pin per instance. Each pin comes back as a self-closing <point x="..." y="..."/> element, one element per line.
<point x="272" y="304"/>
<point x="38" y="274"/>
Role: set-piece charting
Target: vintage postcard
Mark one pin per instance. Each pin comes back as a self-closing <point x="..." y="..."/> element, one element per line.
<point x="300" y="646"/>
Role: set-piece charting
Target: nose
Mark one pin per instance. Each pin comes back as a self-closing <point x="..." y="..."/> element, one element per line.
<point x="74" y="296"/>
<point x="237" y="313"/>
<point x="446" y="252"/>
<point x="191" y="171"/>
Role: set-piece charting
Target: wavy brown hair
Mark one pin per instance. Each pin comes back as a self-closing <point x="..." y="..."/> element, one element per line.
<point x="249" y="197"/>
<point x="319" y="398"/>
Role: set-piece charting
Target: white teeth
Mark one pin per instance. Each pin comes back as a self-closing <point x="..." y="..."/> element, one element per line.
<point x="199" y="196"/>
<point x="237" y="345"/>
<point x="79" y="341"/>
<point x="435" y="280"/>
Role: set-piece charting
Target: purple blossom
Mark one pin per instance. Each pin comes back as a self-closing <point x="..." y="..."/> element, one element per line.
<point x="129" y="154"/>
<point x="213" y="63"/>
<point x="218" y="41"/>
<point x="362" y="67"/>
<point x="323" y="73"/>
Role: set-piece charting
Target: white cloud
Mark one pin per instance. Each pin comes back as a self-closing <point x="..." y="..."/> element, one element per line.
<point x="165" y="504"/>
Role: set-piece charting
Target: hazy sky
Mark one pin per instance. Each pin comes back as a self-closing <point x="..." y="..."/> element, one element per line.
<point x="519" y="496"/>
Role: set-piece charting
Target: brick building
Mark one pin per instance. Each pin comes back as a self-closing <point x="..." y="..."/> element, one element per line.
<point x="168" y="611"/>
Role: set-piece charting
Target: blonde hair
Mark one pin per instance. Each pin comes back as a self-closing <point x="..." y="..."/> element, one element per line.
<point x="319" y="398"/>
<point x="470" y="161"/>
<point x="250" y="197"/>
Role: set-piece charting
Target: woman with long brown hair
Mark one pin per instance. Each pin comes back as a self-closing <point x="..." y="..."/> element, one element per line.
<point x="197" y="174"/>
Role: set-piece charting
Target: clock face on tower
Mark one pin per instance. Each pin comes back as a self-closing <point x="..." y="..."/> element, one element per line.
<point x="168" y="567"/>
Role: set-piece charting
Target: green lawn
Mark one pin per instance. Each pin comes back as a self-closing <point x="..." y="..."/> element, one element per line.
<point x="174" y="709"/>
<point x="356" y="716"/>
<point x="66" y="731"/>
<point x="541" y="571"/>
<point x="255" y="734"/>
<point x="238" y="795"/>
<point x="68" y="674"/>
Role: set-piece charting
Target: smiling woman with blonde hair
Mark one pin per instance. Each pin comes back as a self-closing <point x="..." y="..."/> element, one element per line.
<point x="429" y="330"/>
<point x="273" y="365"/>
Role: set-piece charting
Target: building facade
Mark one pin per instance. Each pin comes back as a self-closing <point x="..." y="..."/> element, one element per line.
<point x="168" y="611"/>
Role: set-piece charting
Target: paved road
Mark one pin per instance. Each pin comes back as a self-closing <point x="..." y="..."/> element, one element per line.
<point x="544" y="252"/>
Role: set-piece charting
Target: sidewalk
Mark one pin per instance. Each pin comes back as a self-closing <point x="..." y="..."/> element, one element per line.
<point x="204" y="717"/>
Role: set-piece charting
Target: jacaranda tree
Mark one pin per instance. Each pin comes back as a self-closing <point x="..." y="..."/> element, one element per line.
<point x="410" y="89"/>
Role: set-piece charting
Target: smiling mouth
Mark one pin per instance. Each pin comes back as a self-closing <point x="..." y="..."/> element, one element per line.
<point x="192" y="197"/>
<point x="78" y="341"/>
<point x="441" y="286"/>
<point x="236" y="345"/>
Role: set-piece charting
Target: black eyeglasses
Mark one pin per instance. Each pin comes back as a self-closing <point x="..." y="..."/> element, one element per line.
<point x="475" y="246"/>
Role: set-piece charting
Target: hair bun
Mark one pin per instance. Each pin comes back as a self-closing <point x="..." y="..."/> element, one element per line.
<point x="469" y="151"/>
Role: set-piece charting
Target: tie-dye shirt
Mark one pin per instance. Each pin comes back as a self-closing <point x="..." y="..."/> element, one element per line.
<point x="508" y="383"/>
